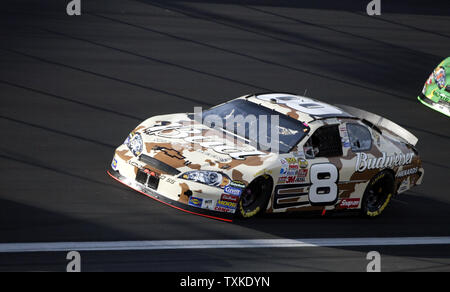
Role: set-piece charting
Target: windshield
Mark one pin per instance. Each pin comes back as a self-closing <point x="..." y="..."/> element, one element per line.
<point x="260" y="125"/>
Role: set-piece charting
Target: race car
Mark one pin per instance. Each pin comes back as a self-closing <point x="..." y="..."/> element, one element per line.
<point x="270" y="153"/>
<point x="436" y="91"/>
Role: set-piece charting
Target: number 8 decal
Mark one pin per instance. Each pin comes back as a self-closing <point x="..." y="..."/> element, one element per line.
<point x="324" y="189"/>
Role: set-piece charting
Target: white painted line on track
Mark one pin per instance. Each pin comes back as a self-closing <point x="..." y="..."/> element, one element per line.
<point x="214" y="244"/>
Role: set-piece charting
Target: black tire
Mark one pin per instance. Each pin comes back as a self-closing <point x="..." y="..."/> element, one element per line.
<point x="378" y="194"/>
<point x="255" y="197"/>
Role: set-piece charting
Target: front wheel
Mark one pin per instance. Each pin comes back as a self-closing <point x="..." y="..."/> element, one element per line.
<point x="255" y="197"/>
<point x="378" y="194"/>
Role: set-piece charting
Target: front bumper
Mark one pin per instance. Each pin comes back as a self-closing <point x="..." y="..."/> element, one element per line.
<point x="442" y="107"/>
<point x="144" y="190"/>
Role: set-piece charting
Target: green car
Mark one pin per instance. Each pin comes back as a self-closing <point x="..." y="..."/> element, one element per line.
<point x="436" y="92"/>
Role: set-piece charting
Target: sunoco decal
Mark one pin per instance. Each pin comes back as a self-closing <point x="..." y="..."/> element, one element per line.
<point x="196" y="202"/>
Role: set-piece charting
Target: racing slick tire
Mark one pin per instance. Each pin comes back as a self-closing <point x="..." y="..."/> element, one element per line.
<point x="378" y="194"/>
<point x="255" y="197"/>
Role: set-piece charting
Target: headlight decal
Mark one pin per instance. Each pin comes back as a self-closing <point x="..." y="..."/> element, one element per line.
<point x="215" y="179"/>
<point x="439" y="77"/>
<point x="135" y="143"/>
<point x="210" y="178"/>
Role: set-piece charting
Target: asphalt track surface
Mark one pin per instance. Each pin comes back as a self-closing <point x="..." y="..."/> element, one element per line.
<point x="71" y="88"/>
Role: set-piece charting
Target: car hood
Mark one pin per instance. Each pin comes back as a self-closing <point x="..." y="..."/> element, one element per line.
<point x="179" y="142"/>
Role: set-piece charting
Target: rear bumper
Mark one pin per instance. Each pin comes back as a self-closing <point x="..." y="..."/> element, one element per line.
<point x="228" y="217"/>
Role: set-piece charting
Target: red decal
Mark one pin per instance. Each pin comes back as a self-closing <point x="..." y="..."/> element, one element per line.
<point x="229" y="198"/>
<point x="349" y="203"/>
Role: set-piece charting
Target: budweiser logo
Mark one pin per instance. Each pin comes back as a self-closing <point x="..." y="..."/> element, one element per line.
<point x="363" y="162"/>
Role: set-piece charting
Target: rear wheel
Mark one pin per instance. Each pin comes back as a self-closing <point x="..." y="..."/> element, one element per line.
<point x="378" y="194"/>
<point x="255" y="197"/>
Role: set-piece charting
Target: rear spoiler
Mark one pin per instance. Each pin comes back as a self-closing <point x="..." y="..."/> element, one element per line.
<point x="381" y="122"/>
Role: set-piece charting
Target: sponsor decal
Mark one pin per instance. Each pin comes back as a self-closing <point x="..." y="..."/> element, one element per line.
<point x="404" y="186"/>
<point x="284" y="166"/>
<point x="302" y="172"/>
<point x="230" y="198"/>
<point x="290" y="179"/>
<point x="397" y="159"/>
<point x="114" y="163"/>
<point x="208" y="204"/>
<point x="407" y="172"/>
<point x="226" y="204"/>
<point x="233" y="191"/>
<point x="237" y="184"/>
<point x="224" y="210"/>
<point x="427" y="83"/>
<point x="291" y="160"/>
<point x="444" y="98"/>
<point x="292" y="173"/>
<point x="430" y="79"/>
<point x="349" y="203"/>
<point x="196" y="202"/>
<point x="293" y="166"/>
<point x="282" y="180"/>
<point x="300" y="179"/>
<point x="302" y="163"/>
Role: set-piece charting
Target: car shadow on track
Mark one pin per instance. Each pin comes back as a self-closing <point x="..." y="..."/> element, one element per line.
<point x="410" y="214"/>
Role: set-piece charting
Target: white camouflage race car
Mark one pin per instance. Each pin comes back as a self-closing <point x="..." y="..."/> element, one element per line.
<point x="323" y="158"/>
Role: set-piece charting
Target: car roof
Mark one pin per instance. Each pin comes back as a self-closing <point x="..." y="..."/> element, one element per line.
<point x="301" y="108"/>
